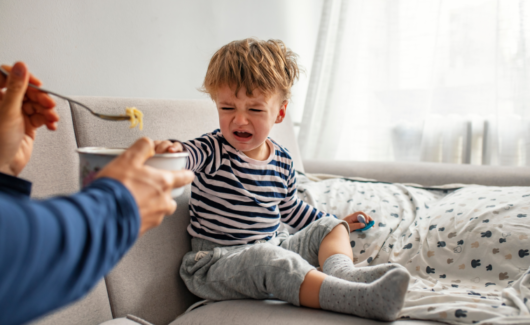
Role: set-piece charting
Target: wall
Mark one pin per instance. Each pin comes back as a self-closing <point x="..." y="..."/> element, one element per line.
<point x="154" y="49"/>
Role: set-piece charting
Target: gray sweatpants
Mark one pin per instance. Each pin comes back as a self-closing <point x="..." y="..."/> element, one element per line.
<point x="273" y="269"/>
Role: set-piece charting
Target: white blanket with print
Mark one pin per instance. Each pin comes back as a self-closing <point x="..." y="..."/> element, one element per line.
<point x="467" y="249"/>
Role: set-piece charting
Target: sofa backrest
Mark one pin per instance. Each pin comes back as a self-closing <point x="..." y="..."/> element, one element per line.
<point x="146" y="282"/>
<point x="424" y="173"/>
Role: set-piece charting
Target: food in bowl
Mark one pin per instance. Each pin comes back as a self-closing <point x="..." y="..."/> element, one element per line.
<point x="136" y="117"/>
<point x="93" y="159"/>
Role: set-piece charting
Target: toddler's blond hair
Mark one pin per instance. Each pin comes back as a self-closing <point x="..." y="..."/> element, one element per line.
<point x="254" y="64"/>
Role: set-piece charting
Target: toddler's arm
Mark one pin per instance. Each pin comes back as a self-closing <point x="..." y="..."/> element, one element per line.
<point x="200" y="151"/>
<point x="166" y="146"/>
<point x="295" y="212"/>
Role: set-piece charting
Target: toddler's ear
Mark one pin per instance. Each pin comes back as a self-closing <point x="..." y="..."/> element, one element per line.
<point x="282" y="112"/>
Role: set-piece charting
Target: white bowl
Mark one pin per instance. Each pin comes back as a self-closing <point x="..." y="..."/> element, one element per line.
<point x="93" y="159"/>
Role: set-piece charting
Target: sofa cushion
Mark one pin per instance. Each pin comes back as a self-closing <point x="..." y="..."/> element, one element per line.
<point x="53" y="167"/>
<point x="90" y="310"/>
<point x="266" y="312"/>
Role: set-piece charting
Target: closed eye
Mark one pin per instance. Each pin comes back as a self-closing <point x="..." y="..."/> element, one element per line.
<point x="256" y="110"/>
<point x="226" y="108"/>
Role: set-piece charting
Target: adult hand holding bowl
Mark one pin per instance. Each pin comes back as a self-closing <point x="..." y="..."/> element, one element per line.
<point x="153" y="180"/>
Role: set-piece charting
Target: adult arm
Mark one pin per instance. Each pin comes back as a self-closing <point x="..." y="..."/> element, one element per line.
<point x="53" y="251"/>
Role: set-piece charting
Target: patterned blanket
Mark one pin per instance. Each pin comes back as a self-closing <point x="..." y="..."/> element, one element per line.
<point x="466" y="247"/>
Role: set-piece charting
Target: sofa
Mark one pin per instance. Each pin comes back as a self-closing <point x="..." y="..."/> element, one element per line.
<point x="146" y="282"/>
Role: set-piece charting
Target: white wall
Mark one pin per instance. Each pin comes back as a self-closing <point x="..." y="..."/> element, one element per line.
<point x="155" y="49"/>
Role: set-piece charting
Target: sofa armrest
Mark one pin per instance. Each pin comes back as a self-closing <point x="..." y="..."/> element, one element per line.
<point x="424" y="173"/>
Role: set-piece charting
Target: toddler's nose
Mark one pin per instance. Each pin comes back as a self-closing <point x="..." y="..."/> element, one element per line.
<point x="240" y="119"/>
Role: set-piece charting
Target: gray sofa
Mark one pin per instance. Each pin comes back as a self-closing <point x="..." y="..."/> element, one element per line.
<point x="146" y="282"/>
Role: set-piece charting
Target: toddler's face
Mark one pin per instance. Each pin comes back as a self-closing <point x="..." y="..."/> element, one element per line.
<point x="247" y="121"/>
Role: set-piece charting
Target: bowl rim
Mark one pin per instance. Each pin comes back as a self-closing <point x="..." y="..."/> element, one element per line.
<point x="92" y="151"/>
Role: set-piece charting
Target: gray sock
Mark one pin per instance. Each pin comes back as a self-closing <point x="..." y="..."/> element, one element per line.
<point x="382" y="299"/>
<point x="340" y="266"/>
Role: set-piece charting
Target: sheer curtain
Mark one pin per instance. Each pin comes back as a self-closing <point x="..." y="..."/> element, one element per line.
<point x="420" y="80"/>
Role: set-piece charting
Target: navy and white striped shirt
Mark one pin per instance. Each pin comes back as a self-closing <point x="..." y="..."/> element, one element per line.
<point x="239" y="200"/>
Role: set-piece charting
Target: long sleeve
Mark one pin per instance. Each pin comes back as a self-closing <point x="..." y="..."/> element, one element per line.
<point x="54" y="251"/>
<point x="295" y="212"/>
<point x="203" y="152"/>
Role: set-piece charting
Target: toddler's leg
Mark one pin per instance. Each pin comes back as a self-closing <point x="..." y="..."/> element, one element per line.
<point x="341" y="266"/>
<point x="319" y="240"/>
<point x="257" y="271"/>
<point x="335" y="257"/>
<point x="326" y="238"/>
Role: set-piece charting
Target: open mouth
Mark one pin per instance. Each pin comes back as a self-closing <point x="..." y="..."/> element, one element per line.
<point x="242" y="134"/>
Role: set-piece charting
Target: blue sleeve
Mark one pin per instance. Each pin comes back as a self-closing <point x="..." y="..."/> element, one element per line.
<point x="14" y="185"/>
<point x="54" y="251"/>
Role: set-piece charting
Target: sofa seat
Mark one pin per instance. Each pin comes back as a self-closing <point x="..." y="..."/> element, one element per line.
<point x="266" y="312"/>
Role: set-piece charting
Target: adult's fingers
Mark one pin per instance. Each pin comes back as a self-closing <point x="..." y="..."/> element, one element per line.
<point x="30" y="107"/>
<point x="40" y="97"/>
<point x="139" y="152"/>
<point x="51" y="126"/>
<point x="182" y="177"/>
<point x="32" y="93"/>
<point x="37" y="120"/>
<point x="172" y="206"/>
<point x="45" y="100"/>
<point x="32" y="79"/>
<point x="17" y="83"/>
<point x="36" y="112"/>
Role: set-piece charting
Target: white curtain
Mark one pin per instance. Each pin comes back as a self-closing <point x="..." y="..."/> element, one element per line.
<point x="420" y="80"/>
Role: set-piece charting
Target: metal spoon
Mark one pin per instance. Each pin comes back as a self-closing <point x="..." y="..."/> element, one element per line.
<point x="101" y="116"/>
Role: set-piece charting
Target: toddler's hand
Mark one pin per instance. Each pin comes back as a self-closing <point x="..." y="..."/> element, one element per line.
<point x="166" y="146"/>
<point x="353" y="221"/>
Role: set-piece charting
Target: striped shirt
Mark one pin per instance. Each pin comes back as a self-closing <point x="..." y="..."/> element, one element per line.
<point x="239" y="200"/>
